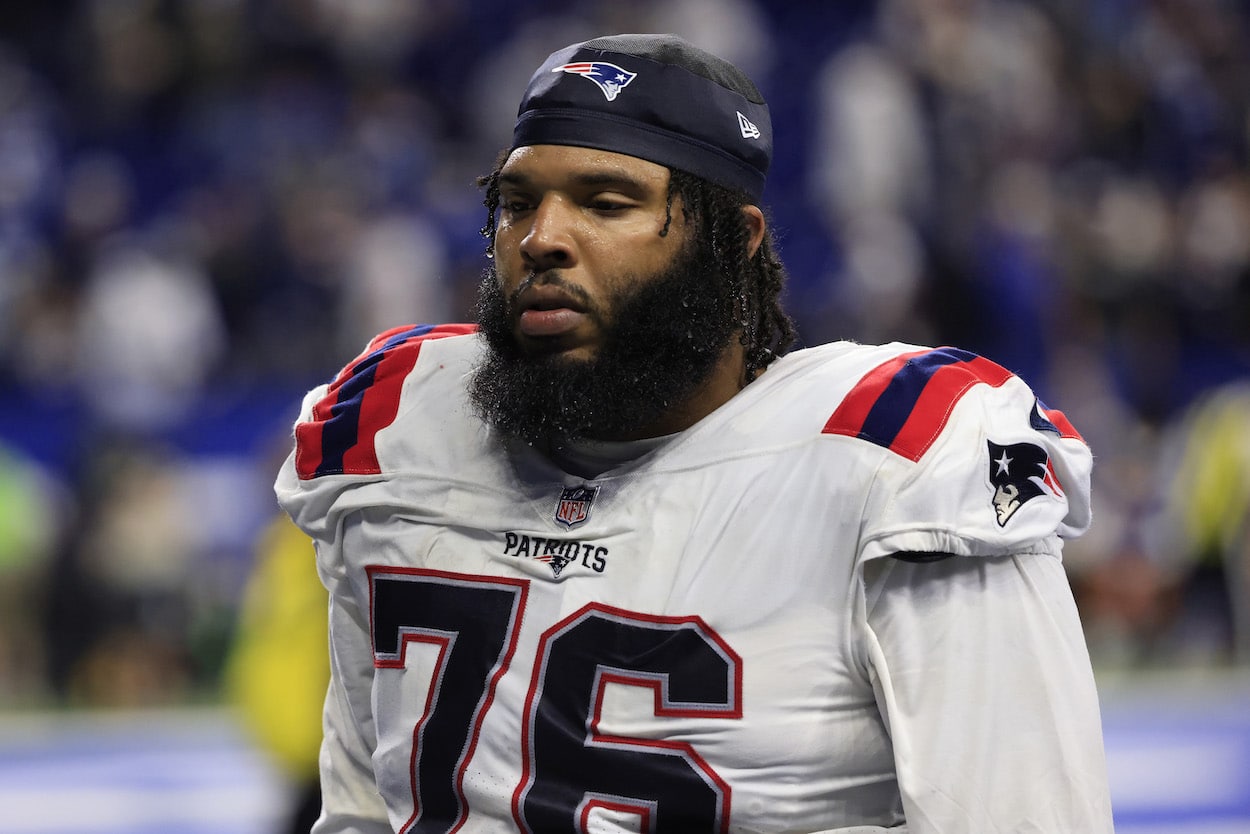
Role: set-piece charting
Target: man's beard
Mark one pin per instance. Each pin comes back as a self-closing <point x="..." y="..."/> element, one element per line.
<point x="662" y="338"/>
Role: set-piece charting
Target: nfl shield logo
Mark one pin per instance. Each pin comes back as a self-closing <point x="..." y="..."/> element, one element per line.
<point x="574" y="505"/>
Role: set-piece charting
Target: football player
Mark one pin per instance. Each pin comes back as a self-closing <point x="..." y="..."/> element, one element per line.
<point x="612" y="559"/>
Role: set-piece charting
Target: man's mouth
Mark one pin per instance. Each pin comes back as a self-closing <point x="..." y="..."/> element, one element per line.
<point x="547" y="311"/>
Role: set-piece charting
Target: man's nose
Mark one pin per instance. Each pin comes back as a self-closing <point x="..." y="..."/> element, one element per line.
<point x="549" y="242"/>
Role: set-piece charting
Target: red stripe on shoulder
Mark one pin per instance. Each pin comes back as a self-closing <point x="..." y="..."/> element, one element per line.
<point x="851" y="414"/>
<point x="904" y="403"/>
<point x="307" y="449"/>
<point x="938" y="399"/>
<point x="1061" y="422"/>
<point x="380" y="401"/>
<point x="340" y="437"/>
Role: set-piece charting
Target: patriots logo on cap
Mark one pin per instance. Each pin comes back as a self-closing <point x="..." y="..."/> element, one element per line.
<point x="1019" y="473"/>
<point x="610" y="78"/>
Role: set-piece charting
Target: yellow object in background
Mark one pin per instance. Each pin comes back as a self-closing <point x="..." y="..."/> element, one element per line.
<point x="1212" y="485"/>
<point x="279" y="666"/>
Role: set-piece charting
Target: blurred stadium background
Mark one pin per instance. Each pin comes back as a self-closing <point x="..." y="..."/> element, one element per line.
<point x="207" y="206"/>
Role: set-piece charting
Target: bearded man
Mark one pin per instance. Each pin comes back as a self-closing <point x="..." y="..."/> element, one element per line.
<point x="613" y="560"/>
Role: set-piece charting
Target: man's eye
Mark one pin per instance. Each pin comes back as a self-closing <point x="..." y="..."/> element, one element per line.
<point x="515" y="206"/>
<point x="606" y="204"/>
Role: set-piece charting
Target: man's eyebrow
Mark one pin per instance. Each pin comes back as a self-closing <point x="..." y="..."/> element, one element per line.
<point x="607" y="178"/>
<point x="591" y="177"/>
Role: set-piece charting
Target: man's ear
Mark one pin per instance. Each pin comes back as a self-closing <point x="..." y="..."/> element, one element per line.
<point x="755" y="228"/>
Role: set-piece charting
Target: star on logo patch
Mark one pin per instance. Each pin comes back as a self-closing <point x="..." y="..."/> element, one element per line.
<point x="1019" y="472"/>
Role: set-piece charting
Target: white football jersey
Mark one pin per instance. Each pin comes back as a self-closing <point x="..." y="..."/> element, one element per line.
<point x="715" y="636"/>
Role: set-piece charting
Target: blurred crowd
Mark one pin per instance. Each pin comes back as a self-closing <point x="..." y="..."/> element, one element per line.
<point x="207" y="206"/>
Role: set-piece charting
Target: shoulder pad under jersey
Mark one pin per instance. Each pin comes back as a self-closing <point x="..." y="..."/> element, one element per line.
<point x="973" y="447"/>
<point x="904" y="403"/>
<point x="337" y="435"/>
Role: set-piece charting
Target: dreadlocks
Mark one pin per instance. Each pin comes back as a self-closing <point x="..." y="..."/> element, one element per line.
<point x="754" y="283"/>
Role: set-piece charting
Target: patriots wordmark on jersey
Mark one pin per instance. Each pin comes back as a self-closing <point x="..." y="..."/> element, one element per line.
<point x="710" y="636"/>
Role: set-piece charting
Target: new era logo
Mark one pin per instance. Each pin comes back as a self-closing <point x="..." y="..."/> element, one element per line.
<point x="749" y="130"/>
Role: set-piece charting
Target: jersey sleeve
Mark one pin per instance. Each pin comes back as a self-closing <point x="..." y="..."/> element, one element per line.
<point x="350" y="800"/>
<point x="981" y="674"/>
<point x="972" y="462"/>
<point x="337" y="434"/>
<point x="341" y="464"/>
<point x="338" y="451"/>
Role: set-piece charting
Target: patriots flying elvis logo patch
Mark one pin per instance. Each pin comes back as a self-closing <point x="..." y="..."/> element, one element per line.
<point x="1019" y="472"/>
<point x="609" y="78"/>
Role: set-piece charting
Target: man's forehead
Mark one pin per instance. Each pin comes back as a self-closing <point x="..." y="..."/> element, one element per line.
<point x="533" y="164"/>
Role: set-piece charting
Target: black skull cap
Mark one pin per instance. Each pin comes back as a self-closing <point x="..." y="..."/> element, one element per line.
<point x="655" y="97"/>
